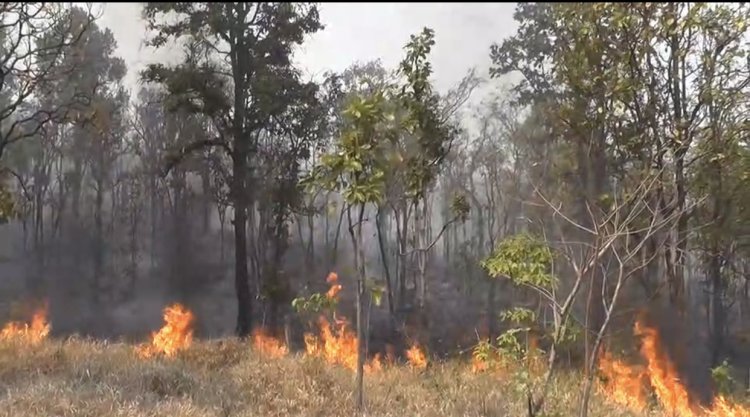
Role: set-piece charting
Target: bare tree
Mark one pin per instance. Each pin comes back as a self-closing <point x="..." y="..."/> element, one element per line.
<point x="35" y="37"/>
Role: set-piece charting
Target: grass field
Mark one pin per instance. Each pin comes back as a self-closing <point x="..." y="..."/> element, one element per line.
<point x="228" y="378"/>
<point x="174" y="375"/>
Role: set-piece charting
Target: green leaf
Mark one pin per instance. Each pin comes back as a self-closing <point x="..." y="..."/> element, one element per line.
<point x="522" y="259"/>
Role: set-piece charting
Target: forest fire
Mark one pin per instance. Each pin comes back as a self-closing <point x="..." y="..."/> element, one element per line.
<point x="624" y="384"/>
<point x="337" y="344"/>
<point x="627" y="384"/>
<point x="175" y="335"/>
<point x="268" y="345"/>
<point x="332" y="279"/>
<point x="665" y="381"/>
<point x="32" y="333"/>
<point x="478" y="365"/>
<point x="416" y="357"/>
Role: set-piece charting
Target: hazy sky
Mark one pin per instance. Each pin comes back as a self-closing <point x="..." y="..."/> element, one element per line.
<point x="362" y="32"/>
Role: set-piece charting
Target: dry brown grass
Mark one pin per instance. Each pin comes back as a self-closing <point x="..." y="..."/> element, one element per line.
<point x="227" y="378"/>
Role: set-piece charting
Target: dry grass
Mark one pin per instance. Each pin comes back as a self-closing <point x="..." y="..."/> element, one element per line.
<point x="227" y="378"/>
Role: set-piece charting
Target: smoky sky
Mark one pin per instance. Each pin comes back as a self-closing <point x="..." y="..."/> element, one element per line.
<point x="358" y="32"/>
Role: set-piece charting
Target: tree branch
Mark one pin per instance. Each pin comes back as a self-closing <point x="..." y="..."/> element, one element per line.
<point x="174" y="159"/>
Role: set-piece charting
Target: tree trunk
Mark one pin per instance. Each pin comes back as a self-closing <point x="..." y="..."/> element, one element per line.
<point x="240" y="169"/>
<point x="311" y="240"/>
<point x="280" y="289"/>
<point x="205" y="198"/>
<point x="154" y="214"/>
<point x="134" y="228"/>
<point x="241" y="278"/>
<point x="222" y="211"/>
<point x="717" y="309"/>
<point x="37" y="278"/>
<point x="492" y="309"/>
<point x="181" y="235"/>
<point x="98" y="249"/>
<point x="384" y="259"/>
<point x="402" y="224"/>
<point x="355" y="231"/>
<point x="422" y="243"/>
<point x="592" y="162"/>
<point x="594" y="358"/>
<point x="335" y="249"/>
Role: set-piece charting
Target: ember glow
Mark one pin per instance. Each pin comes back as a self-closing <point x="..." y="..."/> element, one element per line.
<point x="33" y="332"/>
<point x="627" y="384"/>
<point x="175" y="335"/>
<point x="268" y="345"/>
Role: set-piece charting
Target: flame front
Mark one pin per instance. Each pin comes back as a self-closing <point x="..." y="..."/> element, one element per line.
<point x="723" y="407"/>
<point x="626" y="384"/>
<point x="671" y="393"/>
<point x="175" y="335"/>
<point x="338" y="346"/>
<point x="32" y="333"/>
<point x="269" y="345"/>
<point x="416" y="357"/>
<point x="336" y="343"/>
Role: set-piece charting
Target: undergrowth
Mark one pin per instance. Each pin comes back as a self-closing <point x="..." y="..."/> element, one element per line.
<point x="228" y="378"/>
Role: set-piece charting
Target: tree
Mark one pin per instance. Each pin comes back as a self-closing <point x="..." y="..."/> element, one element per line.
<point x="356" y="168"/>
<point x="237" y="71"/>
<point x="34" y="39"/>
<point x="641" y="89"/>
<point x="99" y="126"/>
<point x="280" y="157"/>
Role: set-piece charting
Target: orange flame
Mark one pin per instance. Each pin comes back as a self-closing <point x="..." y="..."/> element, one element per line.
<point x="338" y="346"/>
<point x="333" y="292"/>
<point x="416" y="357"/>
<point x="623" y="383"/>
<point x="269" y="345"/>
<point x="32" y="333"/>
<point x="175" y="335"/>
<point x="494" y="363"/>
<point x="626" y="383"/>
<point x="671" y="393"/>
<point x="478" y="365"/>
<point x="723" y="407"/>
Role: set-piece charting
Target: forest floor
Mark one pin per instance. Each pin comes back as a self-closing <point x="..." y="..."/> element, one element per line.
<point x="229" y="378"/>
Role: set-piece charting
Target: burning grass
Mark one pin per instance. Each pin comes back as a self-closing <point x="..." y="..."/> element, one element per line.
<point x="627" y="384"/>
<point x="416" y="357"/>
<point x="80" y="377"/>
<point x="175" y="335"/>
<point x="268" y="345"/>
<point x="337" y="344"/>
<point x="76" y="377"/>
<point x="31" y="333"/>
